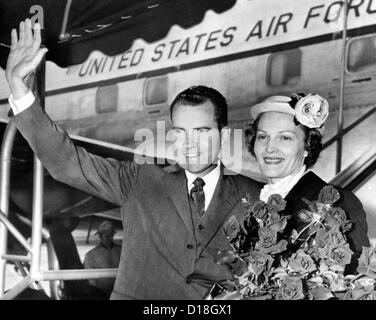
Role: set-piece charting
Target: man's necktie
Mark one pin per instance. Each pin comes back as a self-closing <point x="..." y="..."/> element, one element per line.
<point x="198" y="196"/>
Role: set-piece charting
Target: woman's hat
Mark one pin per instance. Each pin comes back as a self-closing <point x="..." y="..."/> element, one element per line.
<point x="311" y="110"/>
<point x="273" y="103"/>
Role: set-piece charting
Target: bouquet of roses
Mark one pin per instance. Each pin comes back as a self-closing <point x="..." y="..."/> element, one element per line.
<point x="273" y="256"/>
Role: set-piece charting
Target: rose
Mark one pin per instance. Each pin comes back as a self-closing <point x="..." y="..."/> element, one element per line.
<point x="361" y="293"/>
<point x="231" y="228"/>
<point x="336" y="237"/>
<point x="302" y="263"/>
<point x="340" y="215"/>
<point x="291" y="289"/>
<point x="276" y="202"/>
<point x="367" y="262"/>
<point x="334" y="280"/>
<point x="332" y="222"/>
<point x="337" y="218"/>
<point x="334" y="258"/>
<point x="277" y="223"/>
<point x="260" y="262"/>
<point x="267" y="241"/>
<point x="340" y="255"/>
<point x="273" y="217"/>
<point x="312" y="110"/>
<point x="259" y="210"/>
<point x="328" y="195"/>
<point x="365" y="282"/>
<point x="267" y="238"/>
<point x="364" y="289"/>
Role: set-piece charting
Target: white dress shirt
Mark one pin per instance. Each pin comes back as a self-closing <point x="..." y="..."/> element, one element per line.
<point x="21" y="104"/>
<point x="282" y="186"/>
<point x="211" y="180"/>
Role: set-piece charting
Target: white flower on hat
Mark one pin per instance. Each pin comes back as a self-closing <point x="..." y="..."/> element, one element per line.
<point x="312" y="110"/>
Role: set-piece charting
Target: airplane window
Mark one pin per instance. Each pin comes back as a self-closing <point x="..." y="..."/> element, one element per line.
<point x="156" y="91"/>
<point x="362" y="54"/>
<point x="107" y="99"/>
<point x="283" y="67"/>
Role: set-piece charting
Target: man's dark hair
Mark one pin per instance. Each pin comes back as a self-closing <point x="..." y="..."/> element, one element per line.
<point x="312" y="141"/>
<point x="197" y="95"/>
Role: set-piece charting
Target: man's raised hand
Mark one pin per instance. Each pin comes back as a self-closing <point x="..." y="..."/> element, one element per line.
<point x="24" y="57"/>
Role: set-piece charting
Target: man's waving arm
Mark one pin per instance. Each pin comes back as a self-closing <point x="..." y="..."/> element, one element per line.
<point x="109" y="179"/>
<point x="24" y="57"/>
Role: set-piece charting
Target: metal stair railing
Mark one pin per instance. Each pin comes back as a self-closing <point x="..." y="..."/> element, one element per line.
<point x="359" y="171"/>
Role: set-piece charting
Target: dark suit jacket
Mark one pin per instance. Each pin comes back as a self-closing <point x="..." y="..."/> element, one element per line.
<point x="309" y="187"/>
<point x="163" y="255"/>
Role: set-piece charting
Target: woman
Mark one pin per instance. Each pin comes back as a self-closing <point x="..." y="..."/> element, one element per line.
<point x="285" y="138"/>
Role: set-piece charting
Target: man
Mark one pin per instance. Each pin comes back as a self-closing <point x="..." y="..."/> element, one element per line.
<point x="105" y="255"/>
<point x="174" y="218"/>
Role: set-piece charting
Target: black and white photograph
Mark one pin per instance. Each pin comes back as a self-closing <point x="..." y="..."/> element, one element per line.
<point x="196" y="152"/>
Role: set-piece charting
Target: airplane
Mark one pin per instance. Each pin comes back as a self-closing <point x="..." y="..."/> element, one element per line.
<point x="255" y="49"/>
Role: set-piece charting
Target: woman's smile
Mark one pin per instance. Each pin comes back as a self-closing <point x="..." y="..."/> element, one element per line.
<point x="273" y="160"/>
<point x="191" y="155"/>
